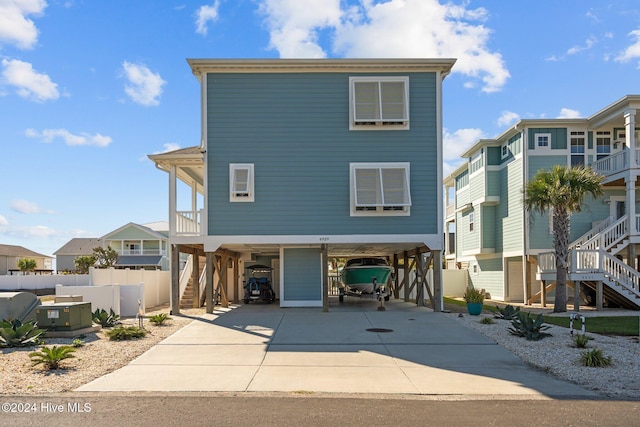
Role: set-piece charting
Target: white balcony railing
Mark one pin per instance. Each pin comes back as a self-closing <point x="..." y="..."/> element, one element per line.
<point x="188" y="223"/>
<point x="142" y="252"/>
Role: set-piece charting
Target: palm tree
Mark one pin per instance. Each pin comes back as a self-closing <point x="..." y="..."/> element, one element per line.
<point x="563" y="190"/>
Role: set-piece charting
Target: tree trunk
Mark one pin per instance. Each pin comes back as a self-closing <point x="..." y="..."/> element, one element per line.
<point x="561" y="243"/>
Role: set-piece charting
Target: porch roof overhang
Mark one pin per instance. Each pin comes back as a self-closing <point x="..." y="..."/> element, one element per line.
<point x="189" y="163"/>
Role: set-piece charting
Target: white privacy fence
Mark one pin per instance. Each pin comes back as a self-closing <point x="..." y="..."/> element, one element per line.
<point x="34" y="282"/>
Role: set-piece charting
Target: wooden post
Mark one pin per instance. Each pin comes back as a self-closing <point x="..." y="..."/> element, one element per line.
<point x="576" y="295"/>
<point x="420" y="279"/>
<point x="175" y="280"/>
<point x="599" y="297"/>
<point x="438" y="291"/>
<point x="224" y="279"/>
<point x="325" y="277"/>
<point x="407" y="273"/>
<point x="208" y="287"/>
<point x="396" y="289"/>
<point x="195" y="280"/>
<point x="236" y="278"/>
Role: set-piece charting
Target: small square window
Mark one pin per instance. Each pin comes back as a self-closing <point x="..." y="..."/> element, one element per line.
<point x="241" y="185"/>
<point x="543" y="140"/>
<point x="378" y="103"/>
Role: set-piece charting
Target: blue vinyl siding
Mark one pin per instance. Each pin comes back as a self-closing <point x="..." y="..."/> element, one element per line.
<point x="558" y="137"/>
<point x="302" y="275"/>
<point x="488" y="227"/>
<point x="493" y="155"/>
<point x="510" y="211"/>
<point x="493" y="183"/>
<point x="489" y="277"/>
<point x="294" y="128"/>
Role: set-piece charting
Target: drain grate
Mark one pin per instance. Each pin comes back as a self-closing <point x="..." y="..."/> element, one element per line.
<point x="379" y="330"/>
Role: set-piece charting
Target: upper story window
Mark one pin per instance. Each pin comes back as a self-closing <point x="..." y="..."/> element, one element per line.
<point x="577" y="148"/>
<point x="477" y="161"/>
<point x="603" y="144"/>
<point x="471" y="221"/>
<point x="378" y="103"/>
<point x="379" y="189"/>
<point x="543" y="140"/>
<point x="504" y="151"/>
<point x="241" y="186"/>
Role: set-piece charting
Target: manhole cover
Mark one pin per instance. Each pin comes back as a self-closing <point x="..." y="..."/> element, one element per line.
<point x="379" y="330"/>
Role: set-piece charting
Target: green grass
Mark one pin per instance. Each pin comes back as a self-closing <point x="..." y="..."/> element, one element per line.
<point x="615" y="325"/>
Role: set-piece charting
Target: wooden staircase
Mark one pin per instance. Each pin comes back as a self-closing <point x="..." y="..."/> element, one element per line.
<point x="187" y="298"/>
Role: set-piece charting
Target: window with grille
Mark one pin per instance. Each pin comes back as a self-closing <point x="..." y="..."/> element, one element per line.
<point x="379" y="103"/>
<point x="379" y="189"/>
<point x="241" y="187"/>
<point x="603" y="144"/>
<point x="577" y="148"/>
<point x="543" y="140"/>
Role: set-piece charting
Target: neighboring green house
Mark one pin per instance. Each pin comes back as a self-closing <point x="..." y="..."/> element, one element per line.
<point x="11" y="254"/>
<point x="508" y="251"/>
<point x="304" y="159"/>
<point x="138" y="247"/>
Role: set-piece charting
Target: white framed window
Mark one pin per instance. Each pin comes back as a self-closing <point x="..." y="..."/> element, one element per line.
<point x="603" y="144"/>
<point x="504" y="151"/>
<point x="471" y="221"/>
<point x="241" y="185"/>
<point x="543" y="141"/>
<point x="577" y="148"/>
<point x="379" y="189"/>
<point x="378" y="103"/>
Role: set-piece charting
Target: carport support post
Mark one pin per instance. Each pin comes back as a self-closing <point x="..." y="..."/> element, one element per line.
<point x="175" y="280"/>
<point x="325" y="278"/>
<point x="576" y="295"/>
<point x="437" y="281"/>
<point x="208" y="287"/>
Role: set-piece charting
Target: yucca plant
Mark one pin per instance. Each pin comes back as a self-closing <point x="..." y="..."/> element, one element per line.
<point x="159" y="319"/>
<point x="104" y="319"/>
<point x="507" y="313"/>
<point x="14" y="333"/>
<point x="581" y="341"/>
<point x="51" y="357"/>
<point x="529" y="327"/>
<point x="122" y="333"/>
<point x="595" y="358"/>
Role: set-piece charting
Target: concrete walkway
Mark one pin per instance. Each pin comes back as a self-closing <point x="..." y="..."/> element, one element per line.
<point x="264" y="348"/>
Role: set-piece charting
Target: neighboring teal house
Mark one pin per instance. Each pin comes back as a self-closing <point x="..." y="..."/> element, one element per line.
<point x="140" y="246"/>
<point x="302" y="160"/>
<point x="509" y="252"/>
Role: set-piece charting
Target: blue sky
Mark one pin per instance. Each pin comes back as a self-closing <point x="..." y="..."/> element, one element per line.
<point x="89" y="88"/>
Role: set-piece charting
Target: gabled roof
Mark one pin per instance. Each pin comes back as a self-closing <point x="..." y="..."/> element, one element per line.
<point x="79" y="246"/>
<point x="19" y="251"/>
<point x="152" y="233"/>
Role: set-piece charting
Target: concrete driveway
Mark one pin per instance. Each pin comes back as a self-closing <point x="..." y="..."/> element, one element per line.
<point x="353" y="348"/>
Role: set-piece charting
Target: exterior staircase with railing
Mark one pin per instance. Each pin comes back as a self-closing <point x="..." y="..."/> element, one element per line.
<point x="186" y="292"/>
<point x="592" y="259"/>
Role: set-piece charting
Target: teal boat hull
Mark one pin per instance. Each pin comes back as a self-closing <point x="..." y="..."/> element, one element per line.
<point x="361" y="277"/>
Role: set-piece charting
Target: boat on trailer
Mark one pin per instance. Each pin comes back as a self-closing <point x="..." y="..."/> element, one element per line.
<point x="365" y="275"/>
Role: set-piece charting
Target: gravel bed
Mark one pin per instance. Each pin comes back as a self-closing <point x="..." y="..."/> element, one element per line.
<point x="558" y="355"/>
<point x="97" y="357"/>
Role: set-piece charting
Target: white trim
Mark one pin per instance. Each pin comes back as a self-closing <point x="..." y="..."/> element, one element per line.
<point x="236" y="195"/>
<point x="538" y="137"/>
<point x="379" y="123"/>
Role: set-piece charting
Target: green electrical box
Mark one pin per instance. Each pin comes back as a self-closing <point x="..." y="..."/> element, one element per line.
<point x="64" y="316"/>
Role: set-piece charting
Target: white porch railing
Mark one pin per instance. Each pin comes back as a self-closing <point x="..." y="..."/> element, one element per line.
<point x="142" y="252"/>
<point x="188" y="223"/>
<point x="591" y="233"/>
<point x="608" y="237"/>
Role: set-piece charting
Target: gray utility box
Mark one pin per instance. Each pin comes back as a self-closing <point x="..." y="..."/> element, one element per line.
<point x="64" y="316"/>
<point x="68" y="298"/>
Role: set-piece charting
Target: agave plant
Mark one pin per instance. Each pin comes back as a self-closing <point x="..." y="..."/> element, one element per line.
<point x="507" y="313"/>
<point x="17" y="334"/>
<point x="104" y="319"/>
<point x="159" y="319"/>
<point x="51" y="357"/>
<point x="529" y="327"/>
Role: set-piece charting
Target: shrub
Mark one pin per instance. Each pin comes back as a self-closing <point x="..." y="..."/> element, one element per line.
<point x="51" y="357"/>
<point x="473" y="295"/>
<point x="529" y="327"/>
<point x="507" y="313"/>
<point x="18" y="334"/>
<point x="487" y="321"/>
<point x="581" y="341"/>
<point x="77" y="342"/>
<point x="159" y="319"/>
<point x="124" y="333"/>
<point x="594" y="358"/>
<point x="104" y="319"/>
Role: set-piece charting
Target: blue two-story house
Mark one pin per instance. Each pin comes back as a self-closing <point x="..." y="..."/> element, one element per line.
<point x="306" y="159"/>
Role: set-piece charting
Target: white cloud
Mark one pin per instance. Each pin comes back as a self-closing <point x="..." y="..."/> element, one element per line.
<point x="15" y="28"/>
<point x="144" y="87"/>
<point x="3" y="221"/>
<point x="29" y="83"/>
<point x="294" y="25"/>
<point x="37" y="231"/>
<point x="508" y="118"/>
<point x="456" y="143"/>
<point x="392" y="29"/>
<point x="206" y="14"/>
<point x="633" y="51"/>
<point x="48" y="135"/>
<point x="25" y="207"/>
<point x="170" y="146"/>
<point x="567" y="113"/>
<point x="588" y="45"/>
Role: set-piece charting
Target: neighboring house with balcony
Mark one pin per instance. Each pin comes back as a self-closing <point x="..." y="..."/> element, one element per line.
<point x="508" y="251"/>
<point x="74" y="248"/>
<point x="302" y="160"/>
